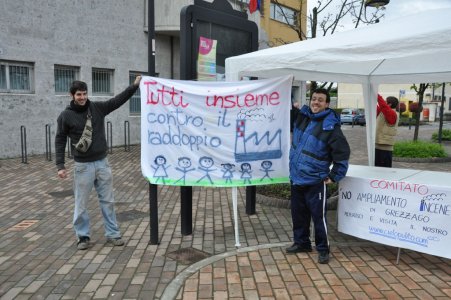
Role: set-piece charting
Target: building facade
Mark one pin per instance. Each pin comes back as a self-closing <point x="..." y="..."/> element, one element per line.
<point x="351" y="96"/>
<point x="45" y="45"/>
<point x="276" y="18"/>
<point x="439" y="97"/>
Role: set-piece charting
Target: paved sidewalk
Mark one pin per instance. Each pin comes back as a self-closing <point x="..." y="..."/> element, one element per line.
<point x="39" y="260"/>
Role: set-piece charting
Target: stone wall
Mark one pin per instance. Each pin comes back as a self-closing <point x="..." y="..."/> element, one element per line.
<point x="86" y="34"/>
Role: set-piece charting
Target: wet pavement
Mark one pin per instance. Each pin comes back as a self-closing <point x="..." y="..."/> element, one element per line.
<point x="39" y="260"/>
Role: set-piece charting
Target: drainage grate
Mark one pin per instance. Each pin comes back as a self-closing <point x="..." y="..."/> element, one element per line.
<point x="188" y="256"/>
<point x="129" y="215"/>
<point x="61" y="194"/>
<point x="23" y="225"/>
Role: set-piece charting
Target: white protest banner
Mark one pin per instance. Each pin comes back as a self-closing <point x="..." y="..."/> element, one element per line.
<point x="400" y="213"/>
<point x="215" y="133"/>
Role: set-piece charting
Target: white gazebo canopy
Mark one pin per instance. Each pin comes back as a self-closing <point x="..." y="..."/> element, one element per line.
<point x="412" y="49"/>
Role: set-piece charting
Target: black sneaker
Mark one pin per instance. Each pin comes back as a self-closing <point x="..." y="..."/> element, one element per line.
<point x="323" y="258"/>
<point x="295" y="248"/>
<point x="115" y="241"/>
<point x="83" y="243"/>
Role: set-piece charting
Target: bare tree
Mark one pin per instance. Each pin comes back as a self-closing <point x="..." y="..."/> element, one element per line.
<point x="435" y="86"/>
<point x="320" y="19"/>
<point x="420" y="93"/>
<point x="325" y="18"/>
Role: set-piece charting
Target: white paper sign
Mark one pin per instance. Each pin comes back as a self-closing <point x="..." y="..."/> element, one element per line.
<point x="215" y="133"/>
<point x="402" y="214"/>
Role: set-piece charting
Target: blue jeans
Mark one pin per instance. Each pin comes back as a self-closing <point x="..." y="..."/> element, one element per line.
<point x="94" y="174"/>
<point x="309" y="203"/>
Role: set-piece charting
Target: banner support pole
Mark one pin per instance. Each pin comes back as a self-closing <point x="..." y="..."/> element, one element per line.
<point x="235" y="216"/>
<point x="398" y="256"/>
<point x="153" y="189"/>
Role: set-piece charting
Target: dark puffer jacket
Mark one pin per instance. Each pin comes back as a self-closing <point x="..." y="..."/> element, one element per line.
<point x="317" y="143"/>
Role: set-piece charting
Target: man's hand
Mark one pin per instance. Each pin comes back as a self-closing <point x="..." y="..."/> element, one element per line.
<point x="137" y="80"/>
<point x="62" y="173"/>
<point x="328" y="180"/>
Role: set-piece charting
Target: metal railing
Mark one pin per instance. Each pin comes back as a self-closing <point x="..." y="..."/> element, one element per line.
<point x="23" y="143"/>
<point x="48" y="143"/>
<point x="127" y="136"/>
<point x="69" y="148"/>
<point x="109" y="136"/>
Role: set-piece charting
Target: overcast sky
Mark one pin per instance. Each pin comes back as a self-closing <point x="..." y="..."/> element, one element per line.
<point x="398" y="8"/>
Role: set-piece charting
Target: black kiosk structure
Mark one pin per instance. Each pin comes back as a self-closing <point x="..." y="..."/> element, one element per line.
<point x="235" y="35"/>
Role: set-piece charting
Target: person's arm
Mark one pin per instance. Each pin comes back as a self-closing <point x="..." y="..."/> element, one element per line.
<point x="389" y="114"/>
<point x="340" y="152"/>
<point x="118" y="100"/>
<point x="294" y="112"/>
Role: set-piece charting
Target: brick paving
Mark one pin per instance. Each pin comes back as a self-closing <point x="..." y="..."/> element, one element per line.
<point x="39" y="260"/>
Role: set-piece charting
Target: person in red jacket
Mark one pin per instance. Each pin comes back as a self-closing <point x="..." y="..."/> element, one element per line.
<point x="386" y="128"/>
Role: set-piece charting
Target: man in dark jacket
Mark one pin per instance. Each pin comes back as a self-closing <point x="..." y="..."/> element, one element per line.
<point x="84" y="122"/>
<point x="317" y="143"/>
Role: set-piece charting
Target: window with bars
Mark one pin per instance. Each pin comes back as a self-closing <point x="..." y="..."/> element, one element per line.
<point x="2" y="77"/>
<point x="135" y="100"/>
<point x="283" y="14"/>
<point x="64" y="76"/>
<point x="16" y="77"/>
<point x="102" y="82"/>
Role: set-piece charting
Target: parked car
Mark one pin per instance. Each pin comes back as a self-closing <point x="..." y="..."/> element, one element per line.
<point x="349" y="115"/>
<point x="360" y="119"/>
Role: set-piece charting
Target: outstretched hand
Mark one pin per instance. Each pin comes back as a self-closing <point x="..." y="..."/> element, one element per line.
<point x="137" y="80"/>
<point x="328" y="181"/>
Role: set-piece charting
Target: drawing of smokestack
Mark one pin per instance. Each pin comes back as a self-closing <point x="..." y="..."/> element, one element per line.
<point x="251" y="147"/>
<point x="240" y="144"/>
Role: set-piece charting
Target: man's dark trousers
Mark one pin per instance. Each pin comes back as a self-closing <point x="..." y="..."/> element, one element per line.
<point x="383" y="158"/>
<point x="309" y="202"/>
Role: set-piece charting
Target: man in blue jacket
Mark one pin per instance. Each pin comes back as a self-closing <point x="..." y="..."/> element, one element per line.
<point x="317" y="143"/>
